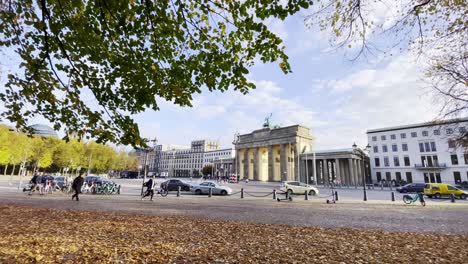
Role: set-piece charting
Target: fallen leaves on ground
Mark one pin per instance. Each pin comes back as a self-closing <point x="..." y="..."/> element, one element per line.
<point x="32" y="235"/>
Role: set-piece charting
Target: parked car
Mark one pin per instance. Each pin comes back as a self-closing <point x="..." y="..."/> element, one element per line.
<point x="204" y="188"/>
<point x="295" y="187"/>
<point x="438" y="190"/>
<point x="97" y="179"/>
<point x="173" y="185"/>
<point x="60" y="181"/>
<point x="411" y="188"/>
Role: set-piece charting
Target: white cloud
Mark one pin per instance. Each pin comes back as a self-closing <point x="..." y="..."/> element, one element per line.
<point x="373" y="98"/>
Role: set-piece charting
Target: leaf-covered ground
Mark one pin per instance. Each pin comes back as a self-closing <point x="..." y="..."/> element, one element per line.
<point x="31" y="235"/>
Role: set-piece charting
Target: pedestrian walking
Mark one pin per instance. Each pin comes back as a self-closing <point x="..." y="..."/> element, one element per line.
<point x="76" y="186"/>
<point x="39" y="184"/>
<point x="33" y="183"/>
<point x="149" y="189"/>
<point x="43" y="183"/>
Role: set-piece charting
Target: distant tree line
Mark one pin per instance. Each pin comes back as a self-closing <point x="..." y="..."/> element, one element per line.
<point x="52" y="154"/>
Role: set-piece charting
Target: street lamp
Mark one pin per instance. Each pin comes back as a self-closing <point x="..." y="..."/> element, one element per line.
<point x="363" y="157"/>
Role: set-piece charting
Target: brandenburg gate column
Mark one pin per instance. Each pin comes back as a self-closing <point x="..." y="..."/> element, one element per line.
<point x="296" y="174"/>
<point x="246" y="163"/>
<point x="351" y="171"/>
<point x="283" y="165"/>
<point x="271" y="164"/>
<point x="238" y="162"/>
<point x="326" y="179"/>
<point x="338" y="171"/>
<point x="256" y="165"/>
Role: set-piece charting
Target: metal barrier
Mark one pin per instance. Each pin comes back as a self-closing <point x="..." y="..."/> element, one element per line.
<point x="251" y="194"/>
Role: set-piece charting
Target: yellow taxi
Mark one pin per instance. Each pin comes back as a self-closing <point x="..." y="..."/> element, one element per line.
<point x="437" y="190"/>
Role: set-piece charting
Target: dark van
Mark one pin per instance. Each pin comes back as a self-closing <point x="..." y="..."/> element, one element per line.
<point x="411" y="188"/>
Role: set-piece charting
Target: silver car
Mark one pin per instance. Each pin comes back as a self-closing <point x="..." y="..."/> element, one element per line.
<point x="204" y="188"/>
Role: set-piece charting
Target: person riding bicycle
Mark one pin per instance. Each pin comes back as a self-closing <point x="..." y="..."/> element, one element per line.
<point x="149" y="189"/>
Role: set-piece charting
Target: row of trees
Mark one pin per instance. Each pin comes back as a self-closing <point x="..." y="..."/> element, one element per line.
<point x="52" y="154"/>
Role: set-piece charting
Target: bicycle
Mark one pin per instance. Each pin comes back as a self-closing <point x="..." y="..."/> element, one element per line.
<point x="408" y="199"/>
<point x="164" y="190"/>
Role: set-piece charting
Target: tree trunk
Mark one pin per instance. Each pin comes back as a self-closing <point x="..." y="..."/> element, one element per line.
<point x="4" y="172"/>
<point x="13" y="170"/>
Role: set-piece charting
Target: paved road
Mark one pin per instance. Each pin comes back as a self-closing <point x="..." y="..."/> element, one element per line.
<point x="441" y="217"/>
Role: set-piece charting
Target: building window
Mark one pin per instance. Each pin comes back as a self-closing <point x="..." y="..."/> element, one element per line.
<point x="377" y="162"/>
<point x="414" y="134"/>
<point x="457" y="177"/>
<point x="454" y="159"/>
<point x="383" y="137"/>
<point x="388" y="176"/>
<point x="398" y="176"/>
<point x="393" y="137"/>
<point x="386" y="162"/>
<point x="425" y="133"/>
<point x="438" y="179"/>
<point x="427" y="146"/>
<point x="396" y="161"/>
<point x="379" y="176"/>
<point x="433" y="146"/>
<point x="384" y="148"/>
<point x="465" y="156"/>
<point x="374" y="138"/>
<point x="451" y="143"/>
<point x="406" y="160"/>
<point x="409" y="177"/>
<point x="449" y="131"/>
<point x="394" y="148"/>
<point x="436" y="132"/>
<point x="376" y="149"/>
<point x="462" y="130"/>
<point x="403" y="135"/>
<point x="421" y="147"/>
<point x="404" y="147"/>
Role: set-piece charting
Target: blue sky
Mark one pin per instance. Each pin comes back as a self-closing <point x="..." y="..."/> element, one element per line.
<point x="336" y="98"/>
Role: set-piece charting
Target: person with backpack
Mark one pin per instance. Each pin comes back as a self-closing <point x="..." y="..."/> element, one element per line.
<point x="76" y="186"/>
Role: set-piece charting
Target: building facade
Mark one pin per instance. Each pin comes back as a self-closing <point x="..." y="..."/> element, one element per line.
<point x="345" y="167"/>
<point x="272" y="154"/>
<point x="422" y="153"/>
<point x="222" y="161"/>
<point x="181" y="161"/>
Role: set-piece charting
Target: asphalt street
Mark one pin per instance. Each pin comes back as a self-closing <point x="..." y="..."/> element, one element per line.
<point x="350" y="211"/>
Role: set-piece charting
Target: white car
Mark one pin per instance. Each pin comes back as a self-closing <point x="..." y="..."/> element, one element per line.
<point x="204" y="188"/>
<point x="295" y="187"/>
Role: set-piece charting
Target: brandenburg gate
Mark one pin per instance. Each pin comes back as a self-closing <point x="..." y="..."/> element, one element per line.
<point x="272" y="154"/>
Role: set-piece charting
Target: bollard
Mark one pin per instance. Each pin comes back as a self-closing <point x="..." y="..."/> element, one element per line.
<point x="242" y="193"/>
<point x="336" y="196"/>
<point x="365" y="195"/>
<point x="381" y="187"/>
<point x="452" y="198"/>
<point x="393" y="196"/>
<point x="178" y="192"/>
<point x="306" y="195"/>
<point x="210" y="193"/>
<point x="274" y="194"/>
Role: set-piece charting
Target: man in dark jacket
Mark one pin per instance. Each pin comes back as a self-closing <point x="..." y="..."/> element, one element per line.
<point x="76" y="186"/>
<point x="149" y="189"/>
<point x="33" y="183"/>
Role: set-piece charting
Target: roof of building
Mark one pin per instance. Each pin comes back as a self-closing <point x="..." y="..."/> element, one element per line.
<point x="418" y="125"/>
<point x="43" y="130"/>
<point x="326" y="151"/>
<point x="218" y="150"/>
